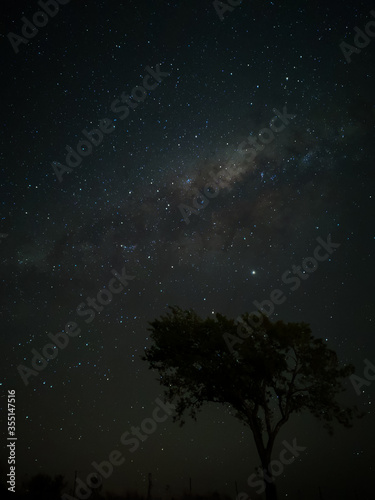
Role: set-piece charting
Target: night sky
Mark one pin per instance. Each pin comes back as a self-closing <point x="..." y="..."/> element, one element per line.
<point x="121" y="210"/>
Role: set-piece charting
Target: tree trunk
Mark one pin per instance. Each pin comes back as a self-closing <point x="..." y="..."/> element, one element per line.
<point x="265" y="454"/>
<point x="271" y="493"/>
<point x="269" y="480"/>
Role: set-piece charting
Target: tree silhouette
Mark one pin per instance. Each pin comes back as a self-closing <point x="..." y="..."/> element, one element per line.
<point x="278" y="369"/>
<point x="43" y="487"/>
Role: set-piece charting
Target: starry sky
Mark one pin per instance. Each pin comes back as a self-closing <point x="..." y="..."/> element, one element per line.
<point x="223" y="81"/>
